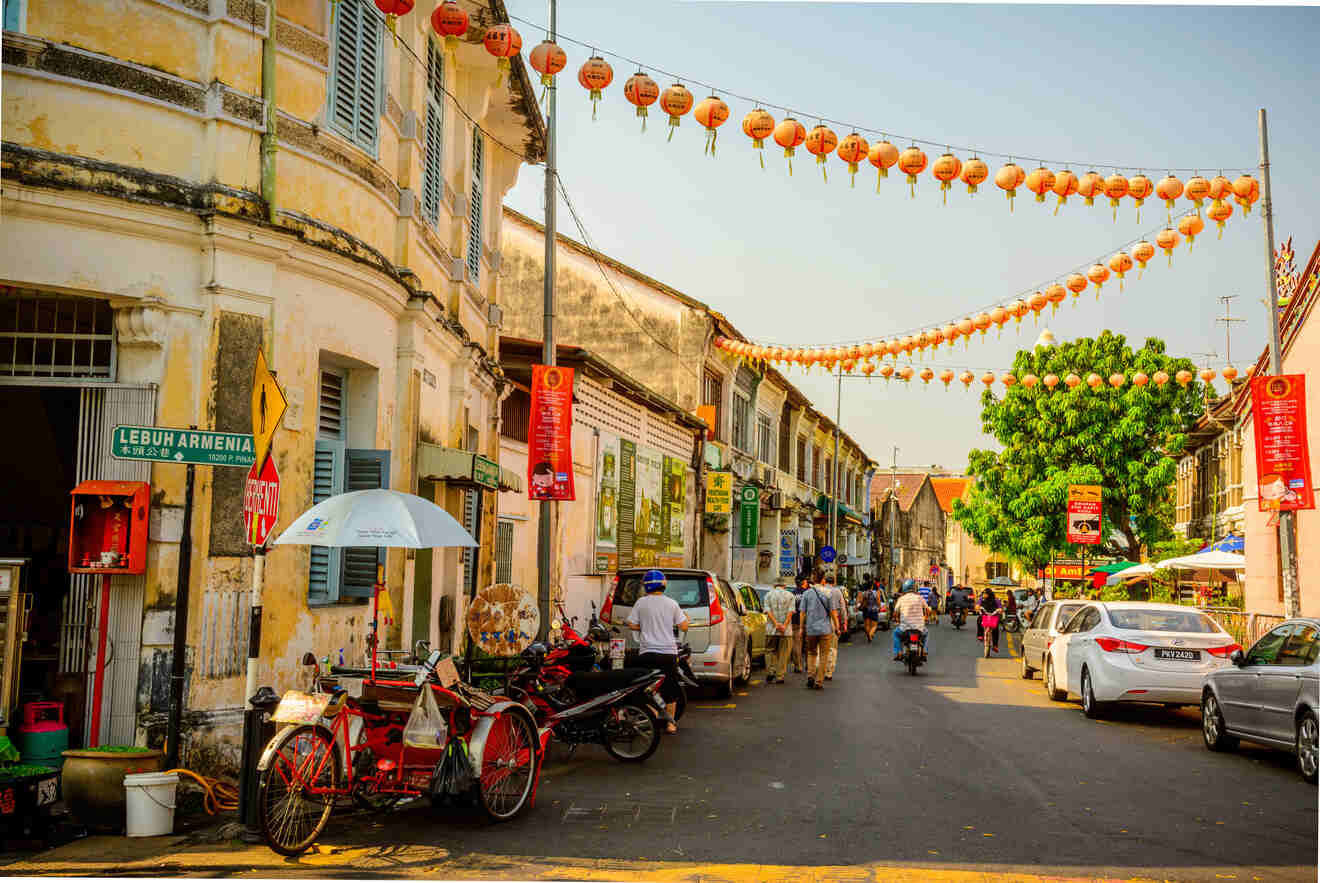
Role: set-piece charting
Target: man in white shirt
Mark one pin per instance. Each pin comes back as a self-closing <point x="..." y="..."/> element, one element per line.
<point x="656" y="615"/>
<point x="912" y="612"/>
<point x="779" y="603"/>
<point x="841" y="604"/>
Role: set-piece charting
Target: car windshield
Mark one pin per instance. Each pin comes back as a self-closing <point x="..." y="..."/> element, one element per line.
<point x="687" y="590"/>
<point x="1154" y="620"/>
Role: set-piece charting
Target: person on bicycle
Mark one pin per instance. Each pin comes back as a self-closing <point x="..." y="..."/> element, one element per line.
<point x="987" y="605"/>
<point x="912" y="612"/>
<point x="656" y="616"/>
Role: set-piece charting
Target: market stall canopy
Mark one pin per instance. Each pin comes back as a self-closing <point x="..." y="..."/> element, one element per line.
<point x="378" y="517"/>
<point x="464" y="469"/>
<point x="1230" y="543"/>
<point x="1130" y="572"/>
<point x="1206" y="561"/>
<point x="1113" y="568"/>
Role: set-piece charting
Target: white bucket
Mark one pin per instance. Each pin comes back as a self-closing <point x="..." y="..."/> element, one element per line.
<point x="150" y="803"/>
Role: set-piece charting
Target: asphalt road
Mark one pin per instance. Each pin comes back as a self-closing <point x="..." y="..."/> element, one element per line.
<point x="962" y="773"/>
<point x="965" y="765"/>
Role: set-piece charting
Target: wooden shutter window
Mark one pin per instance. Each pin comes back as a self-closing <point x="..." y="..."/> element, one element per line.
<point x="330" y="406"/>
<point x="504" y="553"/>
<point x="433" y="168"/>
<point x="363" y="470"/>
<point x="327" y="480"/>
<point x="474" y="207"/>
<point x="355" y="82"/>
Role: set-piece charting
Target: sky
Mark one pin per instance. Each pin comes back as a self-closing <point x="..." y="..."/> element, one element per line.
<point x="797" y="261"/>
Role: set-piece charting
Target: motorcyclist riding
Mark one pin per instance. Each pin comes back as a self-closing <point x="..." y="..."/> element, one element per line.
<point x="912" y="613"/>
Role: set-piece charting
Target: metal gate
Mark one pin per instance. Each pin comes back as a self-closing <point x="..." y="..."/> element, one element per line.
<point x="101" y="408"/>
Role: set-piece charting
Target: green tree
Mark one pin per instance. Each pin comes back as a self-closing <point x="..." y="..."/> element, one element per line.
<point x="1126" y="440"/>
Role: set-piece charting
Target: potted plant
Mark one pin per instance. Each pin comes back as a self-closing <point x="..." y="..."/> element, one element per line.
<point x="94" y="781"/>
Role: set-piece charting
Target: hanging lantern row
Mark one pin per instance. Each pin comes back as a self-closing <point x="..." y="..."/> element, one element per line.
<point x="850" y="359"/>
<point x="1118" y="265"/>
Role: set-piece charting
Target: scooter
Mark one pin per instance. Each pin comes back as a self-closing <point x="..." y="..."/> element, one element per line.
<point x="1012" y="622"/>
<point x="619" y="709"/>
<point x="957" y="616"/>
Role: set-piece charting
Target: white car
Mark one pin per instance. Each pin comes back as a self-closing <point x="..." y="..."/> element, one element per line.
<point x="1131" y="651"/>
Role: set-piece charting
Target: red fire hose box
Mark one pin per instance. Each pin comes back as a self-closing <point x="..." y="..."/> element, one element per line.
<point x="108" y="527"/>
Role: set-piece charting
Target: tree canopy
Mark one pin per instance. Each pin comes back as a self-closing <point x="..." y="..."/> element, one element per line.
<point x="1127" y="440"/>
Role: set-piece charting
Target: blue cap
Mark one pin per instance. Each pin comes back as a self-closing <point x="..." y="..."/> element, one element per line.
<point x="653" y="579"/>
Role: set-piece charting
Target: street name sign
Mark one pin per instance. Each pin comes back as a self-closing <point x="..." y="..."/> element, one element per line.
<point x="749" y="517"/>
<point x="161" y="444"/>
<point x="261" y="502"/>
<point x="485" y="472"/>
<point x="719" y="493"/>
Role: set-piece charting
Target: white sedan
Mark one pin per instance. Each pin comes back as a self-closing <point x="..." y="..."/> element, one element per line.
<point x="1131" y="651"/>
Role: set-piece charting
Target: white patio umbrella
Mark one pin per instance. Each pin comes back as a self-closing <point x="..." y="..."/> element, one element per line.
<point x="1211" y="560"/>
<point x="376" y="518"/>
<point x="1136" y="571"/>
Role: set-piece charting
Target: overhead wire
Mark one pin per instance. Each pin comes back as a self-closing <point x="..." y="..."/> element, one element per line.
<point x="884" y="133"/>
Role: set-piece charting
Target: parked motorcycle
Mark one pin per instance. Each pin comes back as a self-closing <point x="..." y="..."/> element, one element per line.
<point x="1012" y="622"/>
<point x="619" y="709"/>
<point x="957" y="616"/>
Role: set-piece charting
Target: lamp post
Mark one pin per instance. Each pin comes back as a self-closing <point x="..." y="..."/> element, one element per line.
<point x="544" y="533"/>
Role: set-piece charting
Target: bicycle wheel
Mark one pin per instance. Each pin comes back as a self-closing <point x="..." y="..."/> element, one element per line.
<point x="295" y="795"/>
<point x="508" y="766"/>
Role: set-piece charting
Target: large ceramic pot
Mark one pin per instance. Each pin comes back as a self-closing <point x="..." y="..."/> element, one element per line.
<point x="93" y="783"/>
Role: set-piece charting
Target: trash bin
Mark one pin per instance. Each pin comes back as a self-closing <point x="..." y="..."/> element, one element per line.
<point x="258" y="730"/>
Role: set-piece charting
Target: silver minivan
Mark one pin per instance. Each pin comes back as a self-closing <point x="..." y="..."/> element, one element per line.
<point x="1048" y="621"/>
<point x="721" y="651"/>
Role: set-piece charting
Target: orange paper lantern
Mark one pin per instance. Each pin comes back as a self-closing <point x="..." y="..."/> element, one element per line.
<point x="641" y="91"/>
<point x="1197" y="190"/>
<point x="675" y="101"/>
<point x="821" y="142"/>
<point x="1038" y="302"/>
<point x="966" y="379"/>
<point x="1183" y="377"/>
<point x="1220" y="188"/>
<point x="946" y="377"/>
<point x="547" y="59"/>
<point x="912" y="161"/>
<point x="1065" y="185"/>
<point x="1095" y="381"/>
<point x="982" y="322"/>
<point x="788" y="135"/>
<point x="1008" y="379"/>
<point x="1219" y="212"/>
<point x="1098" y="274"/>
<point x="1139" y="379"/>
<point x="503" y="42"/>
<point x="450" y="21"/>
<point x="1076" y="284"/>
<point x="1116" y="187"/>
<point x="1017" y="309"/>
<point x="1169" y="189"/>
<point x="974" y="173"/>
<point x="1008" y="179"/>
<point x="1168" y="240"/>
<point x="926" y="375"/>
<point x="1030" y="381"/>
<point x="965" y="328"/>
<point x="852" y="150"/>
<point x="936" y="337"/>
<point x="1090" y="186"/>
<point x="1056" y="294"/>
<point x="1140" y="187"/>
<point x="1040" y="181"/>
<point x="1116" y="380"/>
<point x="988" y="378"/>
<point x="1189" y="226"/>
<point x="1120" y="263"/>
<point x="951" y="333"/>
<point x="883" y="156"/>
<point x="999" y="316"/>
<point x="594" y="75"/>
<point x="945" y="169"/>
<point x="711" y="113"/>
<point x="1142" y="252"/>
<point x="1247" y="192"/>
<point x="1230" y="373"/>
<point x="905" y="373"/>
<point x="1207" y="375"/>
<point x="1050" y="381"/>
<point x="886" y="371"/>
<point x="759" y="125"/>
<point x="1160" y="378"/>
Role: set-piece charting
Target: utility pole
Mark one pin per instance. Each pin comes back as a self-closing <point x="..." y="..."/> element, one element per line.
<point x="1228" y="319"/>
<point x="545" y="532"/>
<point x="893" y="516"/>
<point x="1287" y="550"/>
<point x="834" y="480"/>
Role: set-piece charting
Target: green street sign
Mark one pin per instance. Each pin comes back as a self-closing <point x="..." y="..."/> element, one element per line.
<point x="485" y="472"/>
<point x="161" y="444"/>
<point x="749" y="517"/>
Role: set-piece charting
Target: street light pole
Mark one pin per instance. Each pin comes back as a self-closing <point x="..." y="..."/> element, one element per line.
<point x="1287" y="550"/>
<point x="544" y="534"/>
<point x="834" y="479"/>
<point x="893" y="517"/>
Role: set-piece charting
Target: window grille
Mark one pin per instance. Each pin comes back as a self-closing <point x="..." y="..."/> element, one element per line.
<point x="712" y="393"/>
<point x="56" y="336"/>
<point x="515" y="416"/>
<point x="474" y="207"/>
<point x="742" y="421"/>
<point x="802" y="460"/>
<point x="765" y="439"/>
<point x="504" y="553"/>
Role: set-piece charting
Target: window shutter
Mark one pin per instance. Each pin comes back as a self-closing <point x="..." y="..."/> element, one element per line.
<point x="474" y="207"/>
<point x="327" y="480"/>
<point x="370" y="83"/>
<point x="363" y="470"/>
<point x="471" y="518"/>
<point x="344" y="77"/>
<point x="504" y="553"/>
<point x="433" y="168"/>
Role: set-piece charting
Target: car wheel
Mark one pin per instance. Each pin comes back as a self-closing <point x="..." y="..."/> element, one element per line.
<point x="1308" y="746"/>
<point x="1027" y="671"/>
<point x="1213" y="730"/>
<point x="745" y="673"/>
<point x="1054" y="694"/>
<point x="1090" y="707"/>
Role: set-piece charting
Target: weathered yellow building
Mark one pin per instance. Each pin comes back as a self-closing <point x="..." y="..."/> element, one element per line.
<point x="147" y="256"/>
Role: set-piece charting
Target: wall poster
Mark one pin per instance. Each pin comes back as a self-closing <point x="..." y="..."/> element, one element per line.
<point x="1283" y="457"/>
<point x="550" y="434"/>
<point x="641" y="506"/>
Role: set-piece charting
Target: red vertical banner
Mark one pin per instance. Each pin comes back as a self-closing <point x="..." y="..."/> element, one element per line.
<point x="1283" y="459"/>
<point x="550" y="434"/>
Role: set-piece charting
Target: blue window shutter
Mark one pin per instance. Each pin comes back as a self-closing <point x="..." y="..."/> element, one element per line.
<point x="327" y="480"/>
<point x="370" y="100"/>
<point x="433" y="145"/>
<point x="474" y="207"/>
<point x="364" y="470"/>
<point x="354" y="104"/>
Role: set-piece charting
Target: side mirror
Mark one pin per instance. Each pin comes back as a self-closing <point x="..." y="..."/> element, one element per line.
<point x="1238" y="658"/>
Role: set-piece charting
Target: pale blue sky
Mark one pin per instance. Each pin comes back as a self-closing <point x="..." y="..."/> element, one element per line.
<point x="798" y="261"/>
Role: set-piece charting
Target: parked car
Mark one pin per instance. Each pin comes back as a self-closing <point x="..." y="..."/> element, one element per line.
<point x="721" y="647"/>
<point x="1044" y="627"/>
<point x="1131" y="651"/>
<point x="1270" y="695"/>
<point x="754" y="619"/>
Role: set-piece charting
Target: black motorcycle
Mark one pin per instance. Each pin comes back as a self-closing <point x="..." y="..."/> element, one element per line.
<point x="619" y="709"/>
<point x="957" y="616"/>
<point x="913" y="652"/>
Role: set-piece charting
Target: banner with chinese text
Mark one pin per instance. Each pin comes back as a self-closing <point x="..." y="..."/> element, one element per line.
<point x="550" y="434"/>
<point x="1283" y="458"/>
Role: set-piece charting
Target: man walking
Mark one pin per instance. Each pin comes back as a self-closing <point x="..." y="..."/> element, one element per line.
<point x="779" y="603"/>
<point x="840" y="626"/>
<point x="799" y="633"/>
<point x="820" y="622"/>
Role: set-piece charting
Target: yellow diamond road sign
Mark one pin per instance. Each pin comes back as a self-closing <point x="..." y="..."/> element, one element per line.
<point x="268" y="405"/>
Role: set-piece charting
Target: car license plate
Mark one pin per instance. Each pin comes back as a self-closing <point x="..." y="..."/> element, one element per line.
<point x="1179" y="655"/>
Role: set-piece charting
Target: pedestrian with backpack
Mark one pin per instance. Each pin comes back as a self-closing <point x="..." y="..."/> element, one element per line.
<point x="870" y="608"/>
